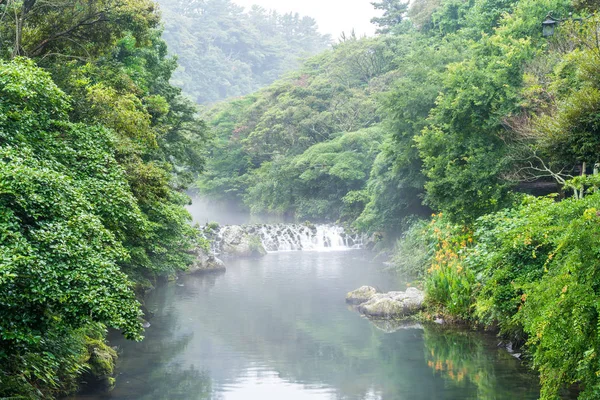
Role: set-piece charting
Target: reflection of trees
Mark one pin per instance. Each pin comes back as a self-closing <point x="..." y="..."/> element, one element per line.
<point x="150" y="373"/>
<point x="467" y="359"/>
<point x="147" y="370"/>
<point x="174" y="382"/>
<point x="288" y="329"/>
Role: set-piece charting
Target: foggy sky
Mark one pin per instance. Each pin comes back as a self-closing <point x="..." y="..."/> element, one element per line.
<point x="333" y="16"/>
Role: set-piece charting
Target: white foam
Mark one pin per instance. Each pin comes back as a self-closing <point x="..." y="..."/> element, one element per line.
<point x="298" y="237"/>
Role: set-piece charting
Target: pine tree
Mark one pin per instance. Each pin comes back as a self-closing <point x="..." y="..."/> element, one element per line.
<point x="393" y="14"/>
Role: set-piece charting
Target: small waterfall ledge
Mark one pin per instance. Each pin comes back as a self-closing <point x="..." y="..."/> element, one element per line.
<point x="256" y="240"/>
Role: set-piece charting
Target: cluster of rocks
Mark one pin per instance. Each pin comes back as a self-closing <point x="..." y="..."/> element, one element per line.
<point x="230" y="241"/>
<point x="391" y="305"/>
<point x="234" y="241"/>
<point x="206" y="261"/>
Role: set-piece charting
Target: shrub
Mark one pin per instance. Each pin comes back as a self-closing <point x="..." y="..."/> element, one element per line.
<point x="414" y="250"/>
<point x="450" y="284"/>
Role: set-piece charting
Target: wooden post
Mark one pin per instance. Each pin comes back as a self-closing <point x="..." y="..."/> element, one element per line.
<point x="582" y="190"/>
<point x="596" y="167"/>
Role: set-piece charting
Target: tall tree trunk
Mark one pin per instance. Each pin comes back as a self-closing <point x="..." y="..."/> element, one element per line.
<point x="19" y="22"/>
<point x="596" y="166"/>
<point x="582" y="189"/>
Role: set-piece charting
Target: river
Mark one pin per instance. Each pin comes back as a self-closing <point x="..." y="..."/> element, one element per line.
<point x="278" y="328"/>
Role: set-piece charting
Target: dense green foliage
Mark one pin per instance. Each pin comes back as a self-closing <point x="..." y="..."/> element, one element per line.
<point x="327" y="179"/>
<point x="532" y="271"/>
<point x="95" y="148"/>
<point x="225" y="51"/>
<point x="532" y="268"/>
<point x="301" y="145"/>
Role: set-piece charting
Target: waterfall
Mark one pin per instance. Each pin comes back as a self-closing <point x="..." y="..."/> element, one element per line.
<point x="286" y="237"/>
<point x="302" y="237"/>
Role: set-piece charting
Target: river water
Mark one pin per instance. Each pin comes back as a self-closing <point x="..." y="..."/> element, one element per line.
<point x="278" y="328"/>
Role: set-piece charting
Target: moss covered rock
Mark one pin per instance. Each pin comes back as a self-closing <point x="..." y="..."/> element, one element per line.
<point x="237" y="241"/>
<point x="361" y="295"/>
<point x="393" y="304"/>
<point x="205" y="261"/>
<point x="101" y="362"/>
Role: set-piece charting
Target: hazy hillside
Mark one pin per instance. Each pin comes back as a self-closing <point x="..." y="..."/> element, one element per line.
<point x="225" y="51"/>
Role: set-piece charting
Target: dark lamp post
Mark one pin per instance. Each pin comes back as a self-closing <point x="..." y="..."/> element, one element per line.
<point x="549" y="25"/>
<point x="551" y="22"/>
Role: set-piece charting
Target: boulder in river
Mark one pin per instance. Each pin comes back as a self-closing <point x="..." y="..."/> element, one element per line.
<point x="238" y="242"/>
<point x="101" y="360"/>
<point x="206" y="262"/>
<point x="361" y="295"/>
<point x="387" y="305"/>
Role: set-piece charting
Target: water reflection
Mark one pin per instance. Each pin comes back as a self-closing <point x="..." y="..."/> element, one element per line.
<point x="470" y="360"/>
<point x="174" y="382"/>
<point x="278" y="328"/>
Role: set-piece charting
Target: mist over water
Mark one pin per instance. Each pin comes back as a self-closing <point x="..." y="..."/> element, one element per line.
<point x="205" y="210"/>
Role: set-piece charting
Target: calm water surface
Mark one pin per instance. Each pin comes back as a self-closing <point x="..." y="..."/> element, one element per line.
<point x="278" y="328"/>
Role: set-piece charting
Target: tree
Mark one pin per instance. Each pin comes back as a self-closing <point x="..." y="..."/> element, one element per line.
<point x="96" y="151"/>
<point x="394" y="12"/>
<point x="421" y="11"/>
<point x="64" y="200"/>
<point x="396" y="184"/>
<point x="260" y="137"/>
<point x="70" y="29"/>
<point x="320" y="184"/>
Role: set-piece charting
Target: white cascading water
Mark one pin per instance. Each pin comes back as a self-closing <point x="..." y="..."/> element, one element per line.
<point x="296" y="237"/>
<point x="301" y="237"/>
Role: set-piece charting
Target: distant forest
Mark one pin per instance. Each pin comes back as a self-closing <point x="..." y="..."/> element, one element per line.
<point x="225" y="51"/>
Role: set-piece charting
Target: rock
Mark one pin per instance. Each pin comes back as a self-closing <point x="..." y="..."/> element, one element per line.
<point x="237" y="242"/>
<point x="361" y="295"/>
<point x="393" y="304"/>
<point x="509" y="347"/>
<point x="100" y="362"/>
<point x="206" y="262"/>
<point x="145" y="324"/>
<point x="372" y="241"/>
<point x="310" y="226"/>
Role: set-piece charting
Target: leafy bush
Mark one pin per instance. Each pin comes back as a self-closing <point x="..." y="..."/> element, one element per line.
<point x="533" y="272"/>
<point x="560" y="312"/>
<point x="414" y="250"/>
<point x="512" y="246"/>
<point x="450" y="284"/>
<point x="64" y="203"/>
